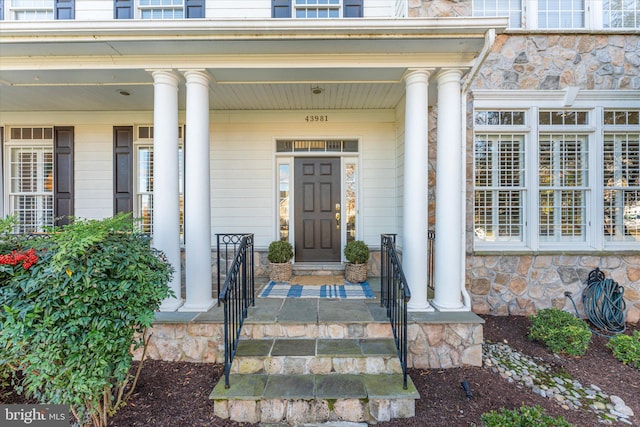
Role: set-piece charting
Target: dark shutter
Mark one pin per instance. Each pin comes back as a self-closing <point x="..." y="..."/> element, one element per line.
<point x="281" y="9"/>
<point x="63" y="175"/>
<point x="352" y="8"/>
<point x="122" y="9"/>
<point x="122" y="169"/>
<point x="65" y="9"/>
<point x="194" y="9"/>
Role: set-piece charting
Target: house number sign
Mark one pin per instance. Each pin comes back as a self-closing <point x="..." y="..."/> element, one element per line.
<point x="316" y="118"/>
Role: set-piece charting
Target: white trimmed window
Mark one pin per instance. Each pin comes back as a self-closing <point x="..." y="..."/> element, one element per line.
<point x="32" y="10"/>
<point x="556" y="179"/>
<point x="621" y="14"/>
<point x="29" y="163"/>
<point x="621" y="176"/>
<point x="143" y="198"/>
<point x="563" y="14"/>
<point x="161" y="9"/>
<point x="317" y="8"/>
<point x="510" y="8"/>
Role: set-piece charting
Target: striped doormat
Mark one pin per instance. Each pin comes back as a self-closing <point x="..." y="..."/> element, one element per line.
<point x="346" y="291"/>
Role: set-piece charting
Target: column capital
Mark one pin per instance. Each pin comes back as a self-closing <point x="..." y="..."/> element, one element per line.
<point x="197" y="75"/>
<point x="449" y="75"/>
<point x="164" y="76"/>
<point x="416" y="75"/>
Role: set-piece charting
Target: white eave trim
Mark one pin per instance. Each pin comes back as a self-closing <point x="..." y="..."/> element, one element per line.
<point x="248" y="29"/>
<point x="490" y="98"/>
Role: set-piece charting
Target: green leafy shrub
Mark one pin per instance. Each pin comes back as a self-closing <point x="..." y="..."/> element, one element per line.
<point x="280" y="251"/>
<point x="525" y="416"/>
<point x="356" y="252"/>
<point x="626" y="348"/>
<point x="560" y="331"/>
<point x="70" y="319"/>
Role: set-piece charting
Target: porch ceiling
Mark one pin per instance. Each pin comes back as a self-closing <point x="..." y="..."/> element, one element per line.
<point x="257" y="65"/>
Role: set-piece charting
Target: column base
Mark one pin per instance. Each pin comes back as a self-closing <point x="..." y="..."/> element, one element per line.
<point x="198" y="307"/>
<point x="449" y="309"/>
<point x="419" y="308"/>
<point x="171" y="304"/>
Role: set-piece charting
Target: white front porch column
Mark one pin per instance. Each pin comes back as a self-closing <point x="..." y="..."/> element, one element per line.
<point x="415" y="209"/>
<point x="166" y="195"/>
<point x="449" y="250"/>
<point x="197" y="202"/>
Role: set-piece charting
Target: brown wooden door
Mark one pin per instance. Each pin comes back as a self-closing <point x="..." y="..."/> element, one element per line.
<point x="317" y="201"/>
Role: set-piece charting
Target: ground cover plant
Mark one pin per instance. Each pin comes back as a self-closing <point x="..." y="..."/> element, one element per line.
<point x="74" y="303"/>
<point x="525" y="416"/>
<point x="560" y="331"/>
<point x="626" y="348"/>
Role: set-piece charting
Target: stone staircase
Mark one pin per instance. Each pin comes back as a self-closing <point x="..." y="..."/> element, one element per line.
<point x="315" y="367"/>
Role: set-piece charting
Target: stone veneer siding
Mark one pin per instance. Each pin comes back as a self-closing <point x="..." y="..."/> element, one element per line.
<point x="430" y="345"/>
<point x="506" y="284"/>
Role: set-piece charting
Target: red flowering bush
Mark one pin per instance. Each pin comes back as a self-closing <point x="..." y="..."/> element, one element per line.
<point x="27" y="258"/>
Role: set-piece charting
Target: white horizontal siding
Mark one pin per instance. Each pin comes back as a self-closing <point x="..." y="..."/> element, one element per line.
<point x="101" y="10"/>
<point x="243" y="163"/>
<point x="94" y="10"/>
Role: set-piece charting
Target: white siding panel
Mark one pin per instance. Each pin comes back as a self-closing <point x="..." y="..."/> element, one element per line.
<point x="234" y="9"/>
<point x="93" y="171"/>
<point x="94" y="10"/>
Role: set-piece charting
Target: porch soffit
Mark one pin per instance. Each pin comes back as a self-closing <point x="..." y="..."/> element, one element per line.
<point x="79" y="65"/>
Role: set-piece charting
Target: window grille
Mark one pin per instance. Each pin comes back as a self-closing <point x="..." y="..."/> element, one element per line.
<point x="621" y="14"/>
<point x="561" y="14"/>
<point x="317" y="8"/>
<point x="499" y="184"/>
<point x="323" y="146"/>
<point x="32" y="10"/>
<point x="161" y="9"/>
<point x="510" y="8"/>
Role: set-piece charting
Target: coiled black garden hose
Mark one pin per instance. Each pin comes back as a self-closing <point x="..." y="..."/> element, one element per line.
<point x="603" y="304"/>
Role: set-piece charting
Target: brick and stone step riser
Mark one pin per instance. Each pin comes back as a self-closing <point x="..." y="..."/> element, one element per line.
<point x="318" y="330"/>
<point x="317" y="365"/>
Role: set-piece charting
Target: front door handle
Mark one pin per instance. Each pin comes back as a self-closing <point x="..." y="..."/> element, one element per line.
<point x="337" y="219"/>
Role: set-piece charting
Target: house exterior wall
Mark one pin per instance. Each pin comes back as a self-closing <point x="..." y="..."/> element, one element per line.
<point x="504" y="283"/>
<point x="101" y="10"/>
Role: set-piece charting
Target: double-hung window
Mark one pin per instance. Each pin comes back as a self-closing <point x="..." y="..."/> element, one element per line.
<point x="158" y="9"/>
<point x="563" y="14"/>
<point x="548" y="178"/>
<point x="143" y="199"/>
<point x="40" y="10"/>
<point x="316" y="9"/>
<point x="29" y="163"/>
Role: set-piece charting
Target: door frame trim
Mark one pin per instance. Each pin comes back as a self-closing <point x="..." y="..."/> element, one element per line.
<point x="345" y="158"/>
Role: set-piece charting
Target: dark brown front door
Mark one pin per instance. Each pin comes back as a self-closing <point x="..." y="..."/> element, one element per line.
<point x="317" y="201"/>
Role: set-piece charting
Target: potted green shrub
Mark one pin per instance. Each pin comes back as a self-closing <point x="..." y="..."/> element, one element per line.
<point x="357" y="254"/>
<point x="279" y="256"/>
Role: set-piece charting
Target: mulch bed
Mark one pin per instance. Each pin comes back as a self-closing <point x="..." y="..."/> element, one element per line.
<point x="176" y="393"/>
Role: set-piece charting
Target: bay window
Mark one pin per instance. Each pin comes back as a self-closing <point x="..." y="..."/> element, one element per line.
<point x="550" y="179"/>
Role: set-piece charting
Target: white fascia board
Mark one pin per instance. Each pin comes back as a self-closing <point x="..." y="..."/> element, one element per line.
<point x="490" y="98"/>
<point x="57" y="31"/>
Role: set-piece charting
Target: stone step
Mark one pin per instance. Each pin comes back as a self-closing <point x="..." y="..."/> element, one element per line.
<point x="316" y="356"/>
<point x="297" y="399"/>
<point x="317" y="269"/>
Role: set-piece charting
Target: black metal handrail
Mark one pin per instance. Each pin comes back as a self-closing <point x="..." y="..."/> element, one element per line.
<point x="237" y="294"/>
<point x="394" y="295"/>
<point x="226" y="250"/>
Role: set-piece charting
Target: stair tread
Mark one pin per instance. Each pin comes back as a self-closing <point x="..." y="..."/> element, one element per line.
<point x="321" y="347"/>
<point x="331" y="386"/>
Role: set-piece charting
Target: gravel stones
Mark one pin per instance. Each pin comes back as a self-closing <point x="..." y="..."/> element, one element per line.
<point x="561" y="388"/>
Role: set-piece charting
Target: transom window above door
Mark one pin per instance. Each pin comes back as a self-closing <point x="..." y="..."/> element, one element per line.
<point x="317" y="146"/>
